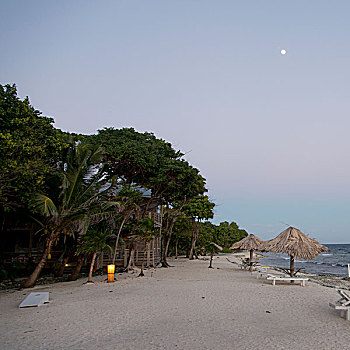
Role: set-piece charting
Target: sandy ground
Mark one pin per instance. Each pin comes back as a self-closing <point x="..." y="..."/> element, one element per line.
<point x="187" y="306"/>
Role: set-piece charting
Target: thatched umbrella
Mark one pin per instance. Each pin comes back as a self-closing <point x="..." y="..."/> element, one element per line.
<point x="250" y="243"/>
<point x="296" y="244"/>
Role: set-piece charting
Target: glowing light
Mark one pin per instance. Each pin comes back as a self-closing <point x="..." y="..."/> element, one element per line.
<point x="283" y="52"/>
<point x="110" y="273"/>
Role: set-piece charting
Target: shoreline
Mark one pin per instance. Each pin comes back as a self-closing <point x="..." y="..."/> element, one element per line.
<point x="325" y="280"/>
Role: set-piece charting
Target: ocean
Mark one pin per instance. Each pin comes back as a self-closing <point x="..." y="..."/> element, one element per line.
<point x="334" y="262"/>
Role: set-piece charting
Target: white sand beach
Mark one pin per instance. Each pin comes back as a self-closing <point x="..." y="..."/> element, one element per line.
<point x="187" y="306"/>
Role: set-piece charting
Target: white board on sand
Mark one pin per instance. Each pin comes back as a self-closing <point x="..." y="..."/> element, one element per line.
<point x="35" y="299"/>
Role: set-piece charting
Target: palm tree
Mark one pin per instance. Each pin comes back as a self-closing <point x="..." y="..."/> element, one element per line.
<point x="80" y="202"/>
<point x="212" y="248"/>
<point x="128" y="199"/>
<point x="94" y="242"/>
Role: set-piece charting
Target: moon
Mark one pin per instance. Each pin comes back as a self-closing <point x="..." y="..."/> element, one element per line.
<point x="283" y="52"/>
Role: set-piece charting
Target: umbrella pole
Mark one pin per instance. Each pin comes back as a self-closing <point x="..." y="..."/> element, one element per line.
<point x="251" y="260"/>
<point x="291" y="266"/>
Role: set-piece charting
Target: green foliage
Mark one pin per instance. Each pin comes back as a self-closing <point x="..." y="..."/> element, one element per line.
<point x="81" y="198"/>
<point x="224" y="234"/>
<point x="226" y="250"/>
<point x="229" y="233"/>
<point x="145" y="229"/>
<point x="95" y="240"/>
<point x="200" y="208"/>
<point x="132" y="156"/>
<point x="30" y="148"/>
<point x="9" y="271"/>
<point x="142" y="159"/>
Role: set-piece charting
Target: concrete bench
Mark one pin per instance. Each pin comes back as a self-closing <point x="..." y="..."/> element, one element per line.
<point x="343" y="304"/>
<point x="344" y="310"/>
<point x="276" y="278"/>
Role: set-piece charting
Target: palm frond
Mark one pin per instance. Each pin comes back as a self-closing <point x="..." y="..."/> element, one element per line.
<point x="44" y="205"/>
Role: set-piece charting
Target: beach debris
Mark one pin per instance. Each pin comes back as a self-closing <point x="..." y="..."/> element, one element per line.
<point x="35" y="299"/>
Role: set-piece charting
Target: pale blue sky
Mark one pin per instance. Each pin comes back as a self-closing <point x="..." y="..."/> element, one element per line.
<point x="269" y="132"/>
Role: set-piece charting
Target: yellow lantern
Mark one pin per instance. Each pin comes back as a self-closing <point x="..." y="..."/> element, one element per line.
<point x="110" y="273"/>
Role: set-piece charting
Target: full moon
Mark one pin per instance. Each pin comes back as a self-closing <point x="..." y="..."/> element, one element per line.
<point x="283" y="52"/>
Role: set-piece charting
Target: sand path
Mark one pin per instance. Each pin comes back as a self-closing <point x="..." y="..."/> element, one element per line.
<point x="187" y="306"/>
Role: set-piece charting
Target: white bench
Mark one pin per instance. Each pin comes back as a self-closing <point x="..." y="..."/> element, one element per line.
<point x="344" y="310"/>
<point x="343" y="304"/>
<point x="276" y="278"/>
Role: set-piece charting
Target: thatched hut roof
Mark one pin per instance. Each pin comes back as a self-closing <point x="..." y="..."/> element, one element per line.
<point x="296" y="244"/>
<point x="250" y="242"/>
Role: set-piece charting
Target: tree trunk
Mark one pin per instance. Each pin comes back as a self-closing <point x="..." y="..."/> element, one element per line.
<point x="141" y="273"/>
<point x="194" y="239"/>
<point x="211" y="261"/>
<point x="31" y="280"/>
<point x="163" y="259"/>
<point x="92" y="267"/>
<point x="74" y="275"/>
<point x="131" y="258"/>
<point x="166" y="246"/>
<point x="148" y="253"/>
<point x="60" y="270"/>
<point x="117" y="239"/>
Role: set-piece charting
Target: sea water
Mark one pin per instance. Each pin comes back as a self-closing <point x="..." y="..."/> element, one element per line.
<point x="334" y="262"/>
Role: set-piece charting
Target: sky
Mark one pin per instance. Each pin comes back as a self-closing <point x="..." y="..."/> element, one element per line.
<point x="269" y="132"/>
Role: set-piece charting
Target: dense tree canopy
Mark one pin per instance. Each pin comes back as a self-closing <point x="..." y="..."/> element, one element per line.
<point x="30" y="148"/>
<point x="67" y="181"/>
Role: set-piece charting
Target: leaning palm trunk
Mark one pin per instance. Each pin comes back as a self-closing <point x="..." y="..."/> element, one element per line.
<point x="211" y="260"/>
<point x="92" y="266"/>
<point x="131" y="258"/>
<point x="59" y="272"/>
<point x="166" y="243"/>
<point x="163" y="261"/>
<point x="31" y="280"/>
<point x="74" y="275"/>
<point x="117" y="239"/>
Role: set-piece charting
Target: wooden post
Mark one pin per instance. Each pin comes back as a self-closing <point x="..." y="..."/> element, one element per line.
<point x="148" y="245"/>
<point x="251" y="260"/>
<point x="125" y="257"/>
<point x="291" y="266"/>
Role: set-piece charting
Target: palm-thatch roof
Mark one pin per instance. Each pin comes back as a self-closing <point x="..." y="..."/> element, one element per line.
<point x="296" y="244"/>
<point x="250" y="242"/>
